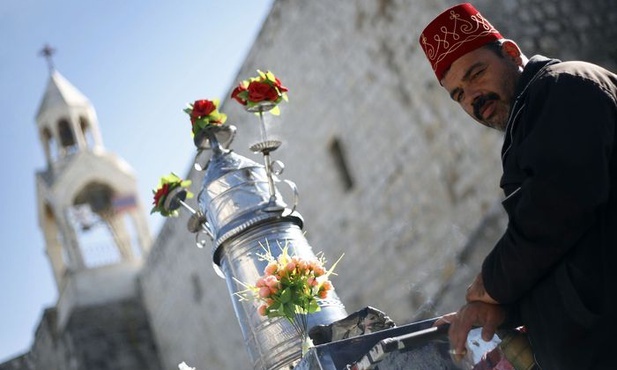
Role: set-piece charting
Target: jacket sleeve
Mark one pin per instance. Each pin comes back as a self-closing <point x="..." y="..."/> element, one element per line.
<point x="564" y="143"/>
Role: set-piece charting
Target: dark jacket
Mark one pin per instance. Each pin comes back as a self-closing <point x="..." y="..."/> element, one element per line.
<point x="556" y="263"/>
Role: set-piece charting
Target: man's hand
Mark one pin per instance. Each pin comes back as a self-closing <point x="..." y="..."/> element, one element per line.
<point x="477" y="293"/>
<point x="445" y="319"/>
<point x="474" y="314"/>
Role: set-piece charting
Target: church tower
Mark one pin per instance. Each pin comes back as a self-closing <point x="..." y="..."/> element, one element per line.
<point x="94" y="226"/>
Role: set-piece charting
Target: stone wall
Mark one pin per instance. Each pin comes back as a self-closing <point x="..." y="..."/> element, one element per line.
<point x="569" y="30"/>
<point x="110" y="336"/>
<point x="188" y="305"/>
<point x="22" y="362"/>
<point x="115" y="335"/>
<point x="416" y="205"/>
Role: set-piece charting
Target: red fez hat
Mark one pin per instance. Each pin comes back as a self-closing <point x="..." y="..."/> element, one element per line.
<point x="454" y="33"/>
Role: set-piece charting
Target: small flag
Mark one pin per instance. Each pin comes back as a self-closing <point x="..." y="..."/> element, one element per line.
<point x="122" y="203"/>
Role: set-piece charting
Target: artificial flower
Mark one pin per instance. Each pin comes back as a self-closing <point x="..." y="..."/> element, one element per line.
<point x="266" y="87"/>
<point x="205" y="113"/>
<point x="166" y="185"/>
<point x="290" y="286"/>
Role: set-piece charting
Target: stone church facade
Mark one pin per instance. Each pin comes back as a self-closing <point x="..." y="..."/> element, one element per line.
<point x="390" y="171"/>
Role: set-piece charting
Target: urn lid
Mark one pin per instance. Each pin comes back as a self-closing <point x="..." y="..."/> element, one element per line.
<point x="235" y="197"/>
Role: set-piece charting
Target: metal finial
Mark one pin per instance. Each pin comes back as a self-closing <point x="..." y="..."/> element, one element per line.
<point x="47" y="52"/>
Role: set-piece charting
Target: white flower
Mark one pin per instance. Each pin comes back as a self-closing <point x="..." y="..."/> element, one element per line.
<point x="184" y="366"/>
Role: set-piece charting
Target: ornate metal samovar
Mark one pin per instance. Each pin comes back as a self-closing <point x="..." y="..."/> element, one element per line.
<point x="243" y="212"/>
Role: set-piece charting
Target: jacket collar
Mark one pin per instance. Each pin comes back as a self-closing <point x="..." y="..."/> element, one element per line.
<point x="531" y="71"/>
<point x="535" y="64"/>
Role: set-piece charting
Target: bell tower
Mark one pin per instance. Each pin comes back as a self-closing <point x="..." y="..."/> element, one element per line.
<point x="94" y="226"/>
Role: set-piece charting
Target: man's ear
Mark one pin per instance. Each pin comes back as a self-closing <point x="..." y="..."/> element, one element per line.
<point x="512" y="51"/>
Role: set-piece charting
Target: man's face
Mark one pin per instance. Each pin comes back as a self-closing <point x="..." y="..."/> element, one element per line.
<point x="483" y="83"/>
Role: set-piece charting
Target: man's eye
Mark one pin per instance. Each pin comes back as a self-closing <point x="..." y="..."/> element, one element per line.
<point x="477" y="74"/>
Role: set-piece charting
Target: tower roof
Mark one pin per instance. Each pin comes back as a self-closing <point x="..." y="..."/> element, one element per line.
<point x="60" y="93"/>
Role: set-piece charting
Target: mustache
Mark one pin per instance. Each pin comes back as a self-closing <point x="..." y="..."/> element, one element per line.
<point x="479" y="102"/>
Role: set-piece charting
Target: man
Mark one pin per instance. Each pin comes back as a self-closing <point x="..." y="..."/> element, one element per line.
<point x="553" y="269"/>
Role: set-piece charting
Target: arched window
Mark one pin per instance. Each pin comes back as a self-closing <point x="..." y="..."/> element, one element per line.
<point x="103" y="227"/>
<point x="66" y="136"/>
<point x="86" y="130"/>
<point x="51" y="150"/>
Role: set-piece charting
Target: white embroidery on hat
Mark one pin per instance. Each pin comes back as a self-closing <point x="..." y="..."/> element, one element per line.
<point x="444" y="45"/>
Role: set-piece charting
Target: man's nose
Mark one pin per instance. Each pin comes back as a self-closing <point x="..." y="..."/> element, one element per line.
<point x="472" y="97"/>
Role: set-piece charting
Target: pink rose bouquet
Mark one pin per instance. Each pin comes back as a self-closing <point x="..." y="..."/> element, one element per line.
<point x="290" y="287"/>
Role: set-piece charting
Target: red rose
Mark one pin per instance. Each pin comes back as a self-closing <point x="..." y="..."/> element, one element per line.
<point x="280" y="86"/>
<point x="259" y="91"/>
<point x="202" y="108"/>
<point x="273" y="94"/>
<point x="160" y="193"/>
<point x="235" y="94"/>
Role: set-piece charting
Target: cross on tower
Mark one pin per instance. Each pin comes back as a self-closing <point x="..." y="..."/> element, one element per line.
<point x="47" y="52"/>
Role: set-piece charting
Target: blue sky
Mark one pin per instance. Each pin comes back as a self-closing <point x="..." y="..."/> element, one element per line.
<point x="139" y="63"/>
